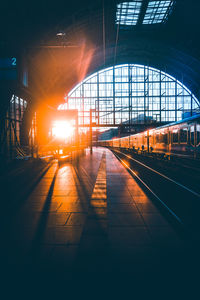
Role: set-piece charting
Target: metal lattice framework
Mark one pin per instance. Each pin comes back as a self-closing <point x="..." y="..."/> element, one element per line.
<point x="131" y="94"/>
<point x="11" y="126"/>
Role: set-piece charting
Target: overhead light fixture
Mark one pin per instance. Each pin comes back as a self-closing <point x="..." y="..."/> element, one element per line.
<point x="61" y="33"/>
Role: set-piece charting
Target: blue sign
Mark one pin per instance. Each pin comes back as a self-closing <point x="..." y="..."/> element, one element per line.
<point x="8" y="63"/>
<point x="8" y="68"/>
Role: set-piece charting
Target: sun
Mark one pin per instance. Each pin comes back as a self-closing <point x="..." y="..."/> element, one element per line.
<point x="62" y="130"/>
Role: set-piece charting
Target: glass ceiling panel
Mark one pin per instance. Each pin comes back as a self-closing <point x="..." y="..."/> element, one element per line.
<point x="158" y="11"/>
<point x="128" y="12"/>
<point x="154" y="12"/>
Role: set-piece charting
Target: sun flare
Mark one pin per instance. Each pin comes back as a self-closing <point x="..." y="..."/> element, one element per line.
<point x="62" y="130"/>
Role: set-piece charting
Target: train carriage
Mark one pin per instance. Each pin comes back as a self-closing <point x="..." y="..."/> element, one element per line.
<point x="178" y="138"/>
<point x="125" y="142"/>
<point x="116" y="143"/>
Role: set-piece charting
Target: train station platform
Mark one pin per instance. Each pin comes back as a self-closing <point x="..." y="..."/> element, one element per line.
<point x="90" y="215"/>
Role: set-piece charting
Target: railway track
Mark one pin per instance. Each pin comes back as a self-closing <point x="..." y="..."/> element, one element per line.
<point x="180" y="202"/>
<point x="162" y="175"/>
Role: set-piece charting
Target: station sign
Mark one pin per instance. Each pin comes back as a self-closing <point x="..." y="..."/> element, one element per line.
<point x="8" y="68"/>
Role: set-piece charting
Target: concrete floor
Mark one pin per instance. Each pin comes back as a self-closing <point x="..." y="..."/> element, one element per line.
<point x="91" y="216"/>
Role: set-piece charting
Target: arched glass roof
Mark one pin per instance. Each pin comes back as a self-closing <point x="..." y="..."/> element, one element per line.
<point x="130" y="93"/>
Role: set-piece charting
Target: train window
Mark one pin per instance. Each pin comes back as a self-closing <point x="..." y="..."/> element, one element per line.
<point x="165" y="139"/>
<point x="157" y="138"/>
<point x="160" y="138"/>
<point x="192" y="137"/>
<point x="198" y="134"/>
<point x="175" y="136"/>
<point x="183" y="135"/>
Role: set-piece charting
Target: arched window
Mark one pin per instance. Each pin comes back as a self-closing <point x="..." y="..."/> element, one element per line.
<point x="132" y="94"/>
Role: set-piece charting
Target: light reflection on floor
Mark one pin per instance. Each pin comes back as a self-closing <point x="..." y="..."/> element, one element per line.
<point x="90" y="213"/>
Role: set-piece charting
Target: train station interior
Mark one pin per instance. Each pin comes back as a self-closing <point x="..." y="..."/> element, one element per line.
<point x="100" y="142"/>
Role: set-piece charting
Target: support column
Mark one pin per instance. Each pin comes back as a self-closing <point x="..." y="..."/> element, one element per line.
<point x="90" y="131"/>
<point x="175" y="100"/>
<point x="114" y="96"/>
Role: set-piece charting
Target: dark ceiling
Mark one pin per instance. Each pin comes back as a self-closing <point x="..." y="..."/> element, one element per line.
<point x="57" y="63"/>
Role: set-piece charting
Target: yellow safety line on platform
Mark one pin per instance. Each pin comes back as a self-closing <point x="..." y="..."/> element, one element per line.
<point x="99" y="195"/>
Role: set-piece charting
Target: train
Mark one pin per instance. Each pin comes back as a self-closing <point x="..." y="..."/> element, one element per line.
<point x="181" y="138"/>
